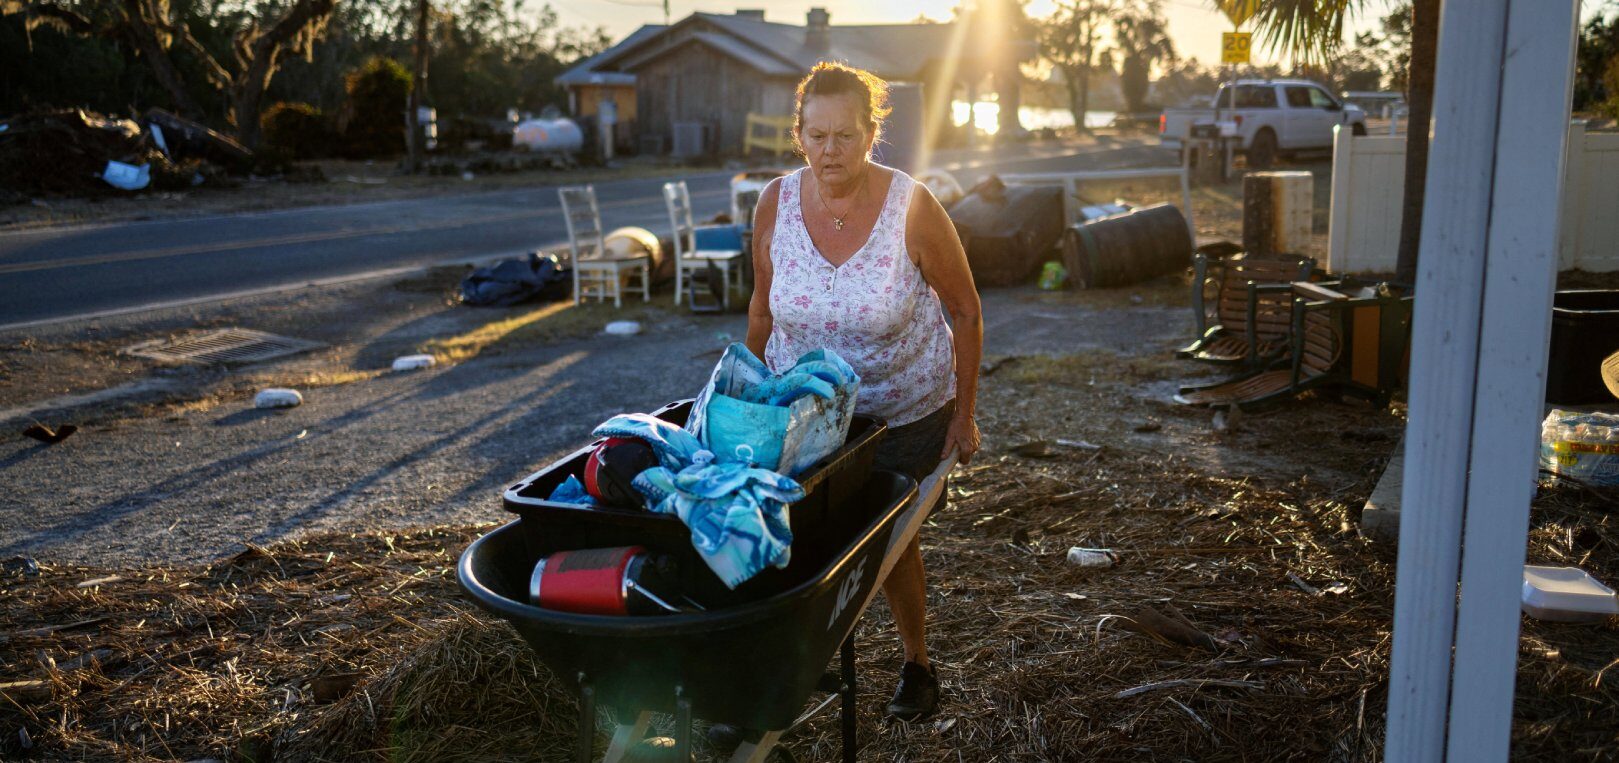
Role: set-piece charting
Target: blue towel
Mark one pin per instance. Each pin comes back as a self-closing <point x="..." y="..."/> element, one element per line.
<point x="737" y="513"/>
<point x="572" y="491"/>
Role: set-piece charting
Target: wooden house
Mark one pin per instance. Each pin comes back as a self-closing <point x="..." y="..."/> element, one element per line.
<point x="698" y="80"/>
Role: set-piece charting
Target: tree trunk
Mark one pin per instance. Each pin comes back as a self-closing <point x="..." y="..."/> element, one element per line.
<point x="413" y="137"/>
<point x="140" y="35"/>
<point x="1076" y="104"/>
<point x="261" y="57"/>
<point x="1009" y="98"/>
<point x="1084" y="99"/>
<point x="1134" y="80"/>
<point x="1419" y="99"/>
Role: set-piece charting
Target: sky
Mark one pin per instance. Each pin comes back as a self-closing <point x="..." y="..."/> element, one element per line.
<point x="1194" y="25"/>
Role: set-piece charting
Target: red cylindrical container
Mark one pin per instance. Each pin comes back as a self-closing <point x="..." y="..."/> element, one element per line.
<point x="596" y="581"/>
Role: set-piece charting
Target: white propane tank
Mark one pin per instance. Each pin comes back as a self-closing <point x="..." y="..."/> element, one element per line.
<point x="549" y="135"/>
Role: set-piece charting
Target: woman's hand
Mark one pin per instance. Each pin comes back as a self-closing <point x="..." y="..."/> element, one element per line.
<point x="962" y="436"/>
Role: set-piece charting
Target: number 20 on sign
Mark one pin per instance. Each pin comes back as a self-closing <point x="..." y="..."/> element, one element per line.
<point x="1234" y="47"/>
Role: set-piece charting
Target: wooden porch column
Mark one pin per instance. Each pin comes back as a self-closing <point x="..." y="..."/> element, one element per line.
<point x="1482" y="321"/>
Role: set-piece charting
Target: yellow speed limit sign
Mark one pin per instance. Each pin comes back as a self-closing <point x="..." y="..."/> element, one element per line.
<point x="1234" y="47"/>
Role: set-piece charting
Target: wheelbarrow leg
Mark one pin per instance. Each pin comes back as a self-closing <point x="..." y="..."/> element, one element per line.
<point x="682" y="725"/>
<point x="756" y="752"/>
<point x="849" y="691"/>
<point x="626" y="735"/>
<point x="585" y="750"/>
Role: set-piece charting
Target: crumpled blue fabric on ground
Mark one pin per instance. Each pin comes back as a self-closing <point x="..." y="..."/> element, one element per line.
<point x="572" y="491"/>
<point x="737" y="513"/>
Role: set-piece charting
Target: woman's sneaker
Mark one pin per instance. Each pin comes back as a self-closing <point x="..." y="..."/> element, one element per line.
<point x="917" y="695"/>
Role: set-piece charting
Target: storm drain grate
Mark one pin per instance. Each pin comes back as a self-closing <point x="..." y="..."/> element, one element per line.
<point x="224" y="346"/>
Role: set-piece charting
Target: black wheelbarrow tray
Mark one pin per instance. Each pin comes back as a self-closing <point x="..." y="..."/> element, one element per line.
<point x="752" y="665"/>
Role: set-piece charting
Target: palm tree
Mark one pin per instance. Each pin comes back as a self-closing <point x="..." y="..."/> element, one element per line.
<point x="1312" y="30"/>
<point x="1071" y="40"/>
<point x="1141" y="38"/>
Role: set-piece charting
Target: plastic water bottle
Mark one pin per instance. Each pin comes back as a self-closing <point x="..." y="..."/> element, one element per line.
<point x="1092" y="557"/>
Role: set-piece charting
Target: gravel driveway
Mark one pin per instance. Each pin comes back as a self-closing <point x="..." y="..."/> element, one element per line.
<point x="194" y="482"/>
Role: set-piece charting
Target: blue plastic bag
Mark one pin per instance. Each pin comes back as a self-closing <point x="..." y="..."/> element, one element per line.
<point x="784" y="423"/>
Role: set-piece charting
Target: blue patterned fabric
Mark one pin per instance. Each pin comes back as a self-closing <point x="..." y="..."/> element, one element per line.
<point x="737" y="513"/>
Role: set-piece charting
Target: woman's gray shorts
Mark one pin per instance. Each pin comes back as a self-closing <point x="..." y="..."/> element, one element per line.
<point x="915" y="448"/>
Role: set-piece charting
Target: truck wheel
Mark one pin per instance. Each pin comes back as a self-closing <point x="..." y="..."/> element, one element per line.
<point x="1357" y="129"/>
<point x="1262" y="152"/>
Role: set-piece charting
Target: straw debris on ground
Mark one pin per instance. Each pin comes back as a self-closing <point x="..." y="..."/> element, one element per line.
<point x="1246" y="618"/>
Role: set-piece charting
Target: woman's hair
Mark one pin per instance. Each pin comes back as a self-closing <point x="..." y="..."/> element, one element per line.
<point x="828" y="78"/>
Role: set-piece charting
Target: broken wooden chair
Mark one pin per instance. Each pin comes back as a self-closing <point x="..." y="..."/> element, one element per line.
<point x="1251" y="305"/>
<point x="1357" y="344"/>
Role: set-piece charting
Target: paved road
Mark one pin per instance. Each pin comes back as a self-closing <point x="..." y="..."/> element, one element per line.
<point x="54" y="274"/>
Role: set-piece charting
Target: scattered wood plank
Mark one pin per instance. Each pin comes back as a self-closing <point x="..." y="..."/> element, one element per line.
<point x="46" y="630"/>
<point x="1171" y="628"/>
<point x="26" y="691"/>
<point x="93" y="582"/>
<point x="1188" y="683"/>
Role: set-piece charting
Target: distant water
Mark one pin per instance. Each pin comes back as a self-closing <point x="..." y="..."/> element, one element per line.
<point x="986" y="114"/>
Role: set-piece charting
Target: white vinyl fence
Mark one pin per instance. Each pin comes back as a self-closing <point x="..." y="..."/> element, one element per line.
<point x="1368" y="180"/>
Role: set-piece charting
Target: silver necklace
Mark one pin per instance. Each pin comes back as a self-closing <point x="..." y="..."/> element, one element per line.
<point x="837" y="222"/>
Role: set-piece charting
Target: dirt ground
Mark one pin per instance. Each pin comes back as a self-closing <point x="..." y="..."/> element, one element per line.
<point x="359" y="647"/>
<point x="357" y="644"/>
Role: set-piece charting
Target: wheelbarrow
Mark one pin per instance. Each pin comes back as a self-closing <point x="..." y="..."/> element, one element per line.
<point x="752" y="663"/>
<point x="828" y="484"/>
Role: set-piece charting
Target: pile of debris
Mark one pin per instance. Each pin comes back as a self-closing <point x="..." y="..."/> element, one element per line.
<point x="74" y="152"/>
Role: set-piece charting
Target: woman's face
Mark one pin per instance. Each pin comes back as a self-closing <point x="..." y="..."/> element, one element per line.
<point x="835" y="139"/>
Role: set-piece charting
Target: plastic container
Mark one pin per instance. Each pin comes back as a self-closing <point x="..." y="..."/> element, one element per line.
<point x="828" y="484"/>
<point x="752" y="665"/>
<point x="1585" y="330"/>
<point x="1092" y="557"/>
<point x="278" y="397"/>
<point x="413" y="362"/>
<point x="1582" y="446"/>
<point x="1566" y="594"/>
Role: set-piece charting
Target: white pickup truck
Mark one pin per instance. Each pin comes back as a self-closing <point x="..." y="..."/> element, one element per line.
<point x="1271" y="118"/>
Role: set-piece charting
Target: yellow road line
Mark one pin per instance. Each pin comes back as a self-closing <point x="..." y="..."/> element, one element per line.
<point x="301" y="238"/>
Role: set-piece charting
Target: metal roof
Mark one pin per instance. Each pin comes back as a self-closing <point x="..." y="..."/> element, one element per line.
<point x="753" y="57"/>
<point x="585" y="73"/>
<point x="891" y="51"/>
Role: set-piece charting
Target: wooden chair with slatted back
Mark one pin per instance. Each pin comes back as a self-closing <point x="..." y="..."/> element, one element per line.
<point x="1251" y="309"/>
<point x="1356" y="344"/>
<point x="594" y="267"/>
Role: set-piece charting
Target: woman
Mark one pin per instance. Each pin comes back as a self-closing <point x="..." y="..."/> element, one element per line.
<point x="858" y="257"/>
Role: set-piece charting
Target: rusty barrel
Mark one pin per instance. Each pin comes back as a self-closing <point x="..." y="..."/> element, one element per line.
<point x="1127" y="248"/>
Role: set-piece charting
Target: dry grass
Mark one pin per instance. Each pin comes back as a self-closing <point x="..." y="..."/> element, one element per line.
<point x="360" y="648"/>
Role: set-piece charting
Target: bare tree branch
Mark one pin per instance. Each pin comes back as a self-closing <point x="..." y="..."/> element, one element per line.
<point x="38" y="15"/>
